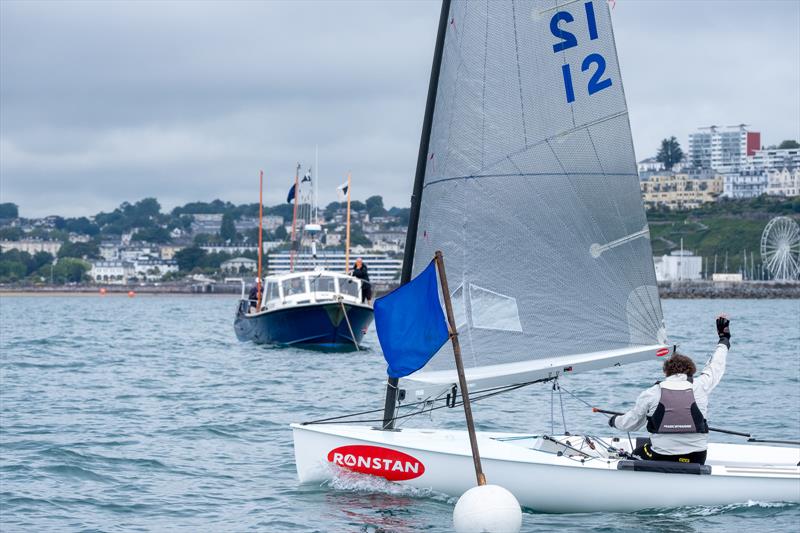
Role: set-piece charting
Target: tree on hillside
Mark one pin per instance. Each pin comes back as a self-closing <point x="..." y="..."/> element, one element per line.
<point x="670" y="152"/>
<point x="280" y="233"/>
<point x="10" y="234"/>
<point x="375" y="206"/>
<point x="154" y="234"/>
<point x="402" y="213"/>
<point x="228" y="229"/>
<point x="787" y="144"/>
<point x="189" y="258"/>
<point x="9" y="210"/>
<point x="79" y="250"/>
<point x="69" y="269"/>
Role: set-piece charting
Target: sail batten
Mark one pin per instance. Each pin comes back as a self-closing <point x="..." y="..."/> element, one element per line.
<point x="532" y="193"/>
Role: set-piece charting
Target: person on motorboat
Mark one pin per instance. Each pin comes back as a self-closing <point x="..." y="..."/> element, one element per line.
<point x="360" y="271"/>
<point x="254" y="293"/>
<point x="675" y="409"/>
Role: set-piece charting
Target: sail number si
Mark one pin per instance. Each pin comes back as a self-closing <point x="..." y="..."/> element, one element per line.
<point x="593" y="64"/>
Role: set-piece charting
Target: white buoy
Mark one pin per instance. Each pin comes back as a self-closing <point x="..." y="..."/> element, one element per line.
<point x="487" y="508"/>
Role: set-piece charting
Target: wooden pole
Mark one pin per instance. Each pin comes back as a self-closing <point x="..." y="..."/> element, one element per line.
<point x="260" y="233"/>
<point x="294" y="215"/>
<point x="462" y="380"/>
<point x="347" y="240"/>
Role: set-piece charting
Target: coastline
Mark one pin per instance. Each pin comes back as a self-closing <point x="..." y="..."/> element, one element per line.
<point x="667" y="290"/>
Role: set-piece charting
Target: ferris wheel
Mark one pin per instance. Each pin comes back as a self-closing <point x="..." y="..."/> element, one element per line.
<point x="780" y="248"/>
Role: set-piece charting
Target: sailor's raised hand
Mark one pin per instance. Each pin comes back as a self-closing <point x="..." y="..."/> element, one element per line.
<point x="724" y="330"/>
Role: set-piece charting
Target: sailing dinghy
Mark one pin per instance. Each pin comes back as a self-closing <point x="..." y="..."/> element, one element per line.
<point x="526" y="180"/>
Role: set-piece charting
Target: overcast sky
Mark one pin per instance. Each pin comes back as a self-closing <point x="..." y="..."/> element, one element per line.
<point x="102" y="102"/>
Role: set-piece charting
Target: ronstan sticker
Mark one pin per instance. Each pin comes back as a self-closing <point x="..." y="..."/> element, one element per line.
<point x="384" y="462"/>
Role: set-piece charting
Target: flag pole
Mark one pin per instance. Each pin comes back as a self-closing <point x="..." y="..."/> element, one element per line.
<point x="294" y="215"/>
<point x="462" y="380"/>
<point x="260" y="233"/>
<point x="347" y="240"/>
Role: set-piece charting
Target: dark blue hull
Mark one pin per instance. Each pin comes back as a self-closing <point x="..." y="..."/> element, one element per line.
<point x="321" y="325"/>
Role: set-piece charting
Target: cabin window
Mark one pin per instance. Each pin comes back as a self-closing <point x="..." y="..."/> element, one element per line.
<point x="294" y="286"/>
<point x="322" y="284"/>
<point x="349" y="286"/>
<point x="272" y="291"/>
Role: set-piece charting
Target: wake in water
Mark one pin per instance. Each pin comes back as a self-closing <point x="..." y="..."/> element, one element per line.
<point x="347" y="480"/>
<point x="714" y="510"/>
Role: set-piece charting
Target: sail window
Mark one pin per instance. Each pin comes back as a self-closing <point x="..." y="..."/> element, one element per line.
<point x="459" y="307"/>
<point x="492" y="310"/>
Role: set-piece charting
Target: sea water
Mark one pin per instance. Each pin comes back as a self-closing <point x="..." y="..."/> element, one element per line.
<point x="146" y="414"/>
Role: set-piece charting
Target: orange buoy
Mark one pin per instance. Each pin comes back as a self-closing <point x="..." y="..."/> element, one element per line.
<point x="102" y="291"/>
<point x="131" y="294"/>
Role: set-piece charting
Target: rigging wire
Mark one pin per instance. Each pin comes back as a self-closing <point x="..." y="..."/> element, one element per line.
<point x="488" y="393"/>
<point x="561" y="402"/>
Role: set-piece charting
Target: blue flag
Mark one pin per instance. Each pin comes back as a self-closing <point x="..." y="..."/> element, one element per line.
<point x="290" y="196"/>
<point x="410" y="324"/>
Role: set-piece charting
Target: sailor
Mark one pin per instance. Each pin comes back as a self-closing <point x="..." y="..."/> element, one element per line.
<point x="675" y="409"/>
<point x="253" y="296"/>
<point x="360" y="272"/>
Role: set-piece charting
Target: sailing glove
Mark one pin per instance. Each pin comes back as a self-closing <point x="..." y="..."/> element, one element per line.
<point x="611" y="421"/>
<point x="724" y="331"/>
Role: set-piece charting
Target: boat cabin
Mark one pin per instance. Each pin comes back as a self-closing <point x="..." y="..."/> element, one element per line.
<point x="300" y="288"/>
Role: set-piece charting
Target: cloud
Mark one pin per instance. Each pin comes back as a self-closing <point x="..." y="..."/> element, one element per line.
<point x="106" y="102"/>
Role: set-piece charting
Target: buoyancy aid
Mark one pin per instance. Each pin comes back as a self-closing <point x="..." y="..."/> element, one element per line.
<point x="677" y="411"/>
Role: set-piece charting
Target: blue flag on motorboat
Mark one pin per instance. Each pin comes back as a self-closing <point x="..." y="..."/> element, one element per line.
<point x="410" y="324"/>
<point x="290" y="196"/>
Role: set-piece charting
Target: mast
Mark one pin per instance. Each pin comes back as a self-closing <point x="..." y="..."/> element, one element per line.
<point x="316" y="178"/>
<point x="294" y="216"/>
<point x="416" y="194"/>
<point x="347" y="240"/>
<point x="260" y="232"/>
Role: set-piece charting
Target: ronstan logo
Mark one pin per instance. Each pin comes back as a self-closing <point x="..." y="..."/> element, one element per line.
<point x="384" y="462"/>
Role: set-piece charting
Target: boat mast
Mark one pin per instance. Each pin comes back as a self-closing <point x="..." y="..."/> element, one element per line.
<point x="416" y="195"/>
<point x="294" y="216"/>
<point x="260" y="233"/>
<point x="347" y="239"/>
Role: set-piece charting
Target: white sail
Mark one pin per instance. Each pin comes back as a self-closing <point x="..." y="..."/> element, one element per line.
<point x="532" y="193"/>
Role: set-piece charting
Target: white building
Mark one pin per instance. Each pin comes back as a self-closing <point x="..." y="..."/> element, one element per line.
<point x="269" y="223"/>
<point x="206" y="223"/>
<point x="382" y="267"/>
<point x="239" y="264"/>
<point x="137" y="253"/>
<point x="240" y="248"/>
<point x="722" y="150"/>
<point x="651" y="164"/>
<point x="153" y="269"/>
<point x="31" y="246"/>
<point x="744" y="184"/>
<point x="109" y="251"/>
<point x="774" y="159"/>
<point x="783" y="182"/>
<point x="112" y="272"/>
<point x="678" y="266"/>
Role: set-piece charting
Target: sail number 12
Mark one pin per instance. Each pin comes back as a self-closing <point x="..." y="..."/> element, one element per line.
<point x="568" y="40"/>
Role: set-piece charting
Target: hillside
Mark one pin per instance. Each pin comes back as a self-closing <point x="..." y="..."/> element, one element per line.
<point x="730" y="226"/>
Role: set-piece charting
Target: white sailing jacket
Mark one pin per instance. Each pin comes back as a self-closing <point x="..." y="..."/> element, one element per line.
<point x="677" y="443"/>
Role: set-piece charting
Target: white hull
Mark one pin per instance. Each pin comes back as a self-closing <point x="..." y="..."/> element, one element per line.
<point x="440" y="460"/>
